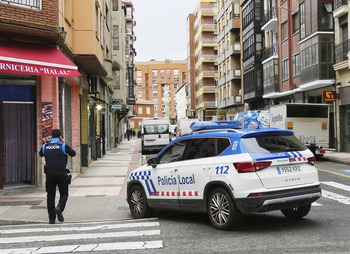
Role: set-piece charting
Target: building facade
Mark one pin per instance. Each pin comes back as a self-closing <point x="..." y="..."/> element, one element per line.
<point x="143" y="109"/>
<point x="56" y="71"/>
<point x="205" y="59"/>
<point x="229" y="83"/>
<point x="342" y="70"/>
<point x="157" y="81"/>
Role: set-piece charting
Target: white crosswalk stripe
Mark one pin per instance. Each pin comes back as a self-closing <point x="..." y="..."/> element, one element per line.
<point x="335" y="196"/>
<point x="82" y="237"/>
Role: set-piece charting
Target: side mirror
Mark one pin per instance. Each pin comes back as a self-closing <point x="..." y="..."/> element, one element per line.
<point x="152" y="162"/>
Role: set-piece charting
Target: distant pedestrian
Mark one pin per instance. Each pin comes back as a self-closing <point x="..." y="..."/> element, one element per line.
<point x="55" y="152"/>
<point x="133" y="133"/>
<point x="128" y="134"/>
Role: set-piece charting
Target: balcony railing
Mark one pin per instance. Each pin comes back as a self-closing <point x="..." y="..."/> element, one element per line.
<point x="339" y="3"/>
<point x="342" y="51"/>
<point x="268" y="15"/>
<point x="26" y="3"/>
<point x="270" y="51"/>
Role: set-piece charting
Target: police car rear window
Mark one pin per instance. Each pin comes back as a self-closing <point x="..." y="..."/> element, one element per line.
<point x="156" y="129"/>
<point x="272" y="144"/>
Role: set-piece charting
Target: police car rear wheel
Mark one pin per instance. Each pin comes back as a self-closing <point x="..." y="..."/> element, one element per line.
<point x="297" y="212"/>
<point x="223" y="213"/>
<point x="138" y="203"/>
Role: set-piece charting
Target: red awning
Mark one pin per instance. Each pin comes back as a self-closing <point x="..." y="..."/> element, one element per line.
<point x="35" y="60"/>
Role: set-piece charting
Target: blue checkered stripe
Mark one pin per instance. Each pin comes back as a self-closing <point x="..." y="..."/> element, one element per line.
<point x="145" y="176"/>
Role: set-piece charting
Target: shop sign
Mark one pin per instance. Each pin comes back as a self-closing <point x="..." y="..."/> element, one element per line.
<point x="116" y="106"/>
<point x="329" y="96"/>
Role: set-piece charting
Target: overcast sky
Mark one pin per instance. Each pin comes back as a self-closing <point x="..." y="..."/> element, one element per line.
<point x="160" y="29"/>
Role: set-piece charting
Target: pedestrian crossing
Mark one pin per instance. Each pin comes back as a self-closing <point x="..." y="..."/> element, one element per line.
<point x="334" y="196"/>
<point x="81" y="237"/>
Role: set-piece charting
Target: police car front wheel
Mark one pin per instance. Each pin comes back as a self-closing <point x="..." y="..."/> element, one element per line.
<point x="138" y="203"/>
<point x="223" y="213"/>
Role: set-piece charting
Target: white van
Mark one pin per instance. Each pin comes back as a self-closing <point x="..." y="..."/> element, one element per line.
<point x="183" y="126"/>
<point x="155" y="134"/>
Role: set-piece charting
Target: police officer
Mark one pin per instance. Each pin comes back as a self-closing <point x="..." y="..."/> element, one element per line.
<point x="55" y="152"/>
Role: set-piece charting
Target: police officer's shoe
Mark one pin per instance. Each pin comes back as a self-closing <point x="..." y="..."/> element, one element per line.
<point x="52" y="221"/>
<point x="59" y="214"/>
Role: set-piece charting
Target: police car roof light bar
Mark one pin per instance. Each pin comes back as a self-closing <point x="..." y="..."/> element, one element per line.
<point x="211" y="125"/>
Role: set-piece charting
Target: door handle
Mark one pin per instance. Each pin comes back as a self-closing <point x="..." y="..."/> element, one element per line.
<point x="207" y="168"/>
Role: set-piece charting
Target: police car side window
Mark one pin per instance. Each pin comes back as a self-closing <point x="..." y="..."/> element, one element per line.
<point x="222" y="144"/>
<point x="201" y="148"/>
<point x="173" y="152"/>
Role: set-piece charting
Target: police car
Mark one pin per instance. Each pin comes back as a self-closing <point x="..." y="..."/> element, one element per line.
<point x="227" y="172"/>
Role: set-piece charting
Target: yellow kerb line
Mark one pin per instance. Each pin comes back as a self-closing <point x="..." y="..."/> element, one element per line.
<point x="331" y="172"/>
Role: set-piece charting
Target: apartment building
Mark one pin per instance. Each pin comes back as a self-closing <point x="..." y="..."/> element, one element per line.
<point x="56" y="71"/>
<point x="143" y="109"/>
<point x="157" y="81"/>
<point x="229" y="82"/>
<point x="342" y="70"/>
<point x="205" y="59"/>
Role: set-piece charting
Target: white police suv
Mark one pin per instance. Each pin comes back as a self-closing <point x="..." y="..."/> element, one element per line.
<point x="227" y="172"/>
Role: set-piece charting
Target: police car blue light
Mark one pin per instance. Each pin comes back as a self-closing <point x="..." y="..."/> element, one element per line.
<point x="226" y="172"/>
<point x="209" y="125"/>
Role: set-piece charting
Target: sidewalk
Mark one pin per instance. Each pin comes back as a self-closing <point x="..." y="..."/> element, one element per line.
<point x="96" y="194"/>
<point x="338" y="157"/>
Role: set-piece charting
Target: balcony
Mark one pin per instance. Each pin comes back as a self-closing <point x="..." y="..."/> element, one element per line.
<point x="271" y="51"/>
<point x="206" y="104"/>
<point x="206" y="89"/>
<point x="209" y="12"/>
<point x="342" y="52"/>
<point x="269" y="20"/>
<point x="230" y="101"/>
<point x="341" y="7"/>
<point x="206" y="59"/>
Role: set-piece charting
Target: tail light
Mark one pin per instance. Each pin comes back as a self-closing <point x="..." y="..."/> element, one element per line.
<point x="312" y="160"/>
<point x="142" y="138"/>
<point x="170" y="134"/>
<point x="244" y="167"/>
<point x="180" y="132"/>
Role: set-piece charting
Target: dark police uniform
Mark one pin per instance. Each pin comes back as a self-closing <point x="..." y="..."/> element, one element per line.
<point x="55" y="153"/>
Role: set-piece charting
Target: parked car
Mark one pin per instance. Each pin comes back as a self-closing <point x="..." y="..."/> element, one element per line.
<point x="227" y="172"/>
<point x="183" y="126"/>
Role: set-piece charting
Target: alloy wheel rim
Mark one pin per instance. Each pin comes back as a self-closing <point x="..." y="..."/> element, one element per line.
<point x="137" y="202"/>
<point x="219" y="209"/>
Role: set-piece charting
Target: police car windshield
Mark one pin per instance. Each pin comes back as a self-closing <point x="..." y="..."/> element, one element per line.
<point x="156" y="129"/>
<point x="272" y="144"/>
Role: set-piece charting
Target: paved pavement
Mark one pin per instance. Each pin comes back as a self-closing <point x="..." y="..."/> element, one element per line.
<point x="96" y="194"/>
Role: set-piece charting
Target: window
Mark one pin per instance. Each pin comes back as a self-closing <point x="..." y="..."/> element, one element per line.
<point x="161" y="71"/>
<point x="236" y="10"/>
<point x="201" y="148"/>
<point x="138" y="73"/>
<point x="155" y="93"/>
<point x="154" y="80"/>
<point x="27" y="3"/>
<point x="107" y="16"/>
<point x="295" y="19"/>
<point x="173" y="152"/>
<point x="156" y="129"/>
<point x="176" y="72"/>
<point x="285" y="69"/>
<point x="138" y="80"/>
<point x="148" y="110"/>
<point x="176" y="79"/>
<point x="167" y="71"/>
<point x="326" y="17"/>
<point x="296" y="65"/>
<point x="115" y="32"/>
<point x="139" y="87"/>
<point x="115" y="5"/>
<point x="155" y="87"/>
<point x="115" y="43"/>
<point x="139" y="94"/>
<point x="284" y="30"/>
<point x="140" y="109"/>
<point x="154" y="72"/>
<point x="302" y="20"/>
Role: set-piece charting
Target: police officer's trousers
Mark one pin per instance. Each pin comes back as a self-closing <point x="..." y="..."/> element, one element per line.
<point x="53" y="180"/>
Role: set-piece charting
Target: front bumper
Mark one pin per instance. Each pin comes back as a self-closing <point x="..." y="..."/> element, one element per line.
<point x="279" y="200"/>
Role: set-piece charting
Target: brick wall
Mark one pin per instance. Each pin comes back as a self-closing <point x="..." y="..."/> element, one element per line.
<point x="46" y="18"/>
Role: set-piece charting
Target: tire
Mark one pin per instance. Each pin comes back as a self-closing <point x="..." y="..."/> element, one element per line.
<point x="222" y="212"/>
<point x="138" y="203"/>
<point x="297" y="212"/>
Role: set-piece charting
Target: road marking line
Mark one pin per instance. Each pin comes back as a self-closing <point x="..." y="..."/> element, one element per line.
<point x="336" y="197"/>
<point x="89" y="247"/>
<point x="70" y="237"/>
<point x="337" y="185"/>
<point x="87" y="228"/>
<point x="316" y="204"/>
<point x="331" y="172"/>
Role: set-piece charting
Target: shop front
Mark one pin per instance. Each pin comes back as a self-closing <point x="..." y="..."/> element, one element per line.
<point x="36" y="95"/>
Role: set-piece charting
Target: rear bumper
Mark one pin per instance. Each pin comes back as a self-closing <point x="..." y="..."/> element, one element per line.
<point x="153" y="148"/>
<point x="278" y="200"/>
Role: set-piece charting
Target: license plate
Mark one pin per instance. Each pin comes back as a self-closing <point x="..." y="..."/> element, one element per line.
<point x="288" y="169"/>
